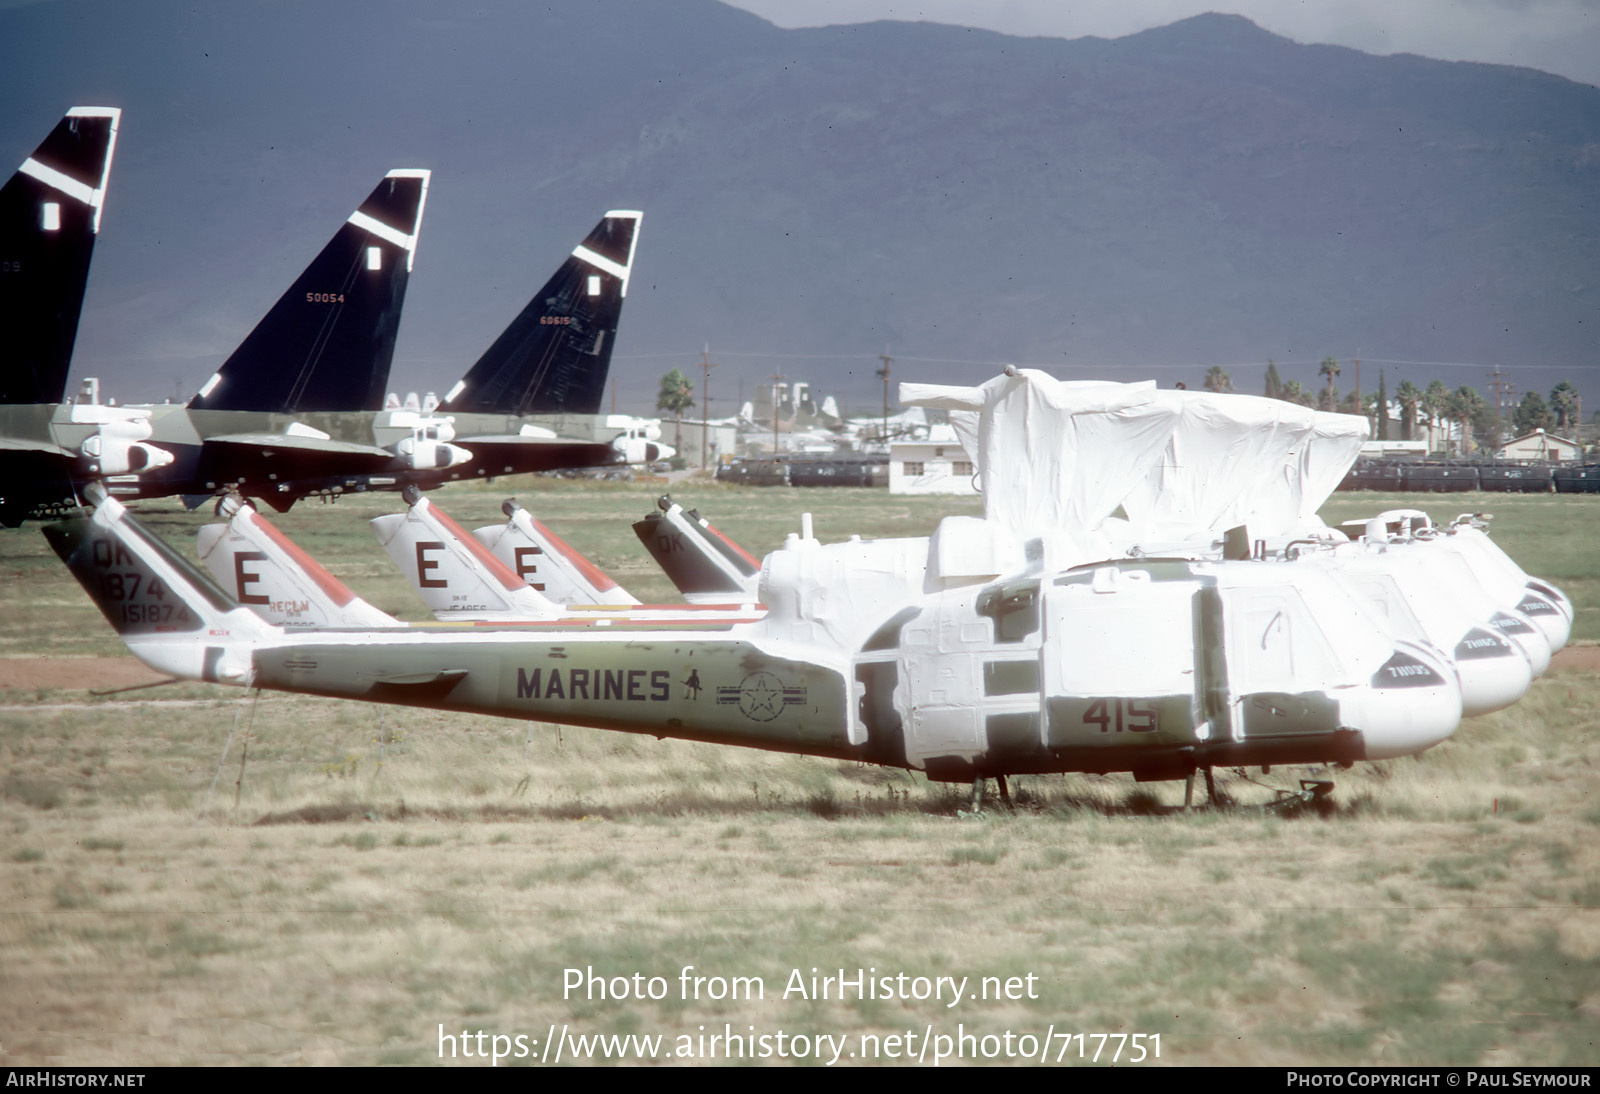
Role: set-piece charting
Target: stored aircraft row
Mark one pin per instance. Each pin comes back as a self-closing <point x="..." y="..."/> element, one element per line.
<point x="299" y="407"/>
<point x="1136" y="597"/>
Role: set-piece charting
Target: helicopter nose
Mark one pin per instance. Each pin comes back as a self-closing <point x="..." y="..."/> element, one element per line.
<point x="1528" y="638"/>
<point x="1543" y="606"/>
<point x="1494" y="672"/>
<point x="1412" y="703"/>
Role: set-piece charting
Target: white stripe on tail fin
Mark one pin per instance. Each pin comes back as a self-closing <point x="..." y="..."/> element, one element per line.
<point x="49" y="217"/>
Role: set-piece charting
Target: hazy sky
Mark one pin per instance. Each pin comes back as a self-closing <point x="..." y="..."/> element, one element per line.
<point x="1561" y="36"/>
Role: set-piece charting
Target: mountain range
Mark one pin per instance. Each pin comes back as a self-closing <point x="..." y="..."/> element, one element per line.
<point x="1199" y="194"/>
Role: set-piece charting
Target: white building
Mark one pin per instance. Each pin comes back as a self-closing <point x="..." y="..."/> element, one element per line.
<point x="1540" y="445"/>
<point x="1395" y="449"/>
<point x="938" y="465"/>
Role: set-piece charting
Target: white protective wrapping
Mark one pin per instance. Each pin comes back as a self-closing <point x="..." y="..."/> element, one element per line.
<point x="1287" y="504"/>
<point x="834" y="594"/>
<point x="1224" y="451"/>
<point x="1055" y="458"/>
<point x="966" y="550"/>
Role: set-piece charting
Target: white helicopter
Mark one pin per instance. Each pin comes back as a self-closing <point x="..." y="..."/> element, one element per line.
<point x="992" y="647"/>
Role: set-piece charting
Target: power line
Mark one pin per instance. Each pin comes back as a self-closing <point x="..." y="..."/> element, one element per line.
<point x="1291" y="362"/>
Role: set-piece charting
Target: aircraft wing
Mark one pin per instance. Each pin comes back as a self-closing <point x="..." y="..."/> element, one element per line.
<point x="255" y="460"/>
<point x="516" y="439"/>
<point x="503" y="454"/>
<point x="292" y="443"/>
<point x="42" y="448"/>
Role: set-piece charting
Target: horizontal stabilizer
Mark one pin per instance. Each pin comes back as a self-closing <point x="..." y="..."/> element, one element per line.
<point x="555" y="356"/>
<point x="548" y="563"/>
<point x="328" y="342"/>
<point x="452" y="572"/>
<point x="49" y="216"/>
<point x="270" y="574"/>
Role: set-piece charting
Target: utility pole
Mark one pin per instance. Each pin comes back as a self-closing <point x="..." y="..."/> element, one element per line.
<point x="1504" y="393"/>
<point x="777" y="379"/>
<point x="883" y="374"/>
<point x="705" y="404"/>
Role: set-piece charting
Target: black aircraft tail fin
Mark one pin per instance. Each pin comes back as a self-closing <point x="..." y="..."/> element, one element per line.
<point x="705" y="565"/>
<point x="328" y="342"/>
<point x="171" y="615"/>
<point x="555" y="356"/>
<point x="49" y="217"/>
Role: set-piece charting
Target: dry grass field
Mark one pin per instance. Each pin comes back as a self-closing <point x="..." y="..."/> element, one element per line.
<point x="190" y="877"/>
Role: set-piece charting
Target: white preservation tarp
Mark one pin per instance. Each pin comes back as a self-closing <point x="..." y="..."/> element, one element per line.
<point x="1287" y="503"/>
<point x="1227" y="453"/>
<point x="1055" y="458"/>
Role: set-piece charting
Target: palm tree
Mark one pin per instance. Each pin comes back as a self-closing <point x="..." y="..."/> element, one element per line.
<point x="1294" y="393"/>
<point x="1274" y="381"/>
<point x="1433" y="401"/>
<point x="1456" y="409"/>
<point x="1464" y="405"/>
<point x="1217" y="379"/>
<point x="1564" y="401"/>
<point x="1381" y="405"/>
<point x="676" y="396"/>
<point x="1409" y="396"/>
<point x="1330" y="369"/>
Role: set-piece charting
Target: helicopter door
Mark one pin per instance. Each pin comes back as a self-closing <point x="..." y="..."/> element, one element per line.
<point x="944" y="719"/>
<point x="946" y="674"/>
<point x="1119" y="662"/>
<point x="1281" y="665"/>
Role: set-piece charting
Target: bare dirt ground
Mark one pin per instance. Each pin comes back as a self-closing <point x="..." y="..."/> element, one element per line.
<point x="107" y="673"/>
<point x="75" y="673"/>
